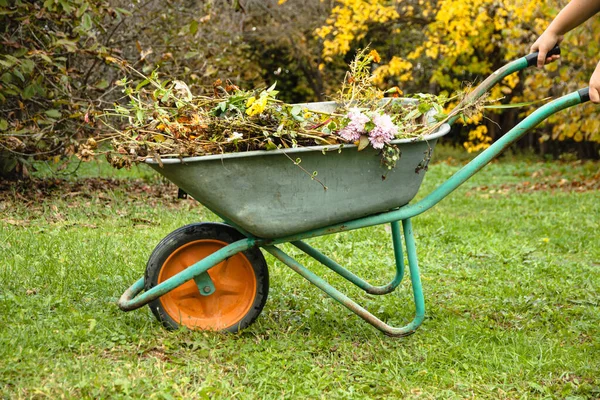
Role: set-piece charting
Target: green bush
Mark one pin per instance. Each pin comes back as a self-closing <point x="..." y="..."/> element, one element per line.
<point x="50" y="57"/>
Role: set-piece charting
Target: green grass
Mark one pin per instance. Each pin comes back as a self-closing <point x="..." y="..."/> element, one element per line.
<point x="511" y="276"/>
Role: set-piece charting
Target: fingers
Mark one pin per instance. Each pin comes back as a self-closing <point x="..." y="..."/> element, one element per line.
<point x="536" y="47"/>
<point x="541" y="60"/>
<point x="594" y="95"/>
<point x="595" y="85"/>
<point x="543" y="45"/>
<point x="543" y="57"/>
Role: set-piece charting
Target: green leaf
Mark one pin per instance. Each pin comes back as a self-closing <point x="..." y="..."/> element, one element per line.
<point x="517" y="105"/>
<point x="69" y="45"/>
<point x="30" y="91"/>
<point x="45" y="58"/>
<point x="191" y="54"/>
<point x="66" y="6"/>
<point x="270" y="145"/>
<point x="6" y="78"/>
<point x="19" y="74"/>
<point x="142" y="84"/>
<point x="369" y="126"/>
<point x="7" y="64"/>
<point x="414" y="114"/>
<point x="13" y="91"/>
<point x="121" y="110"/>
<point x="92" y="325"/>
<point x="296" y="112"/>
<point x="272" y="87"/>
<point x="166" y="96"/>
<point x="44" y="121"/>
<point x="13" y="59"/>
<point x="27" y="66"/>
<point x="424" y="107"/>
<point x="53" y="113"/>
<point x="103" y="84"/>
<point x="3" y="124"/>
<point x="86" y="22"/>
<point x="194" y="27"/>
<point x="140" y="116"/>
<point x="123" y="11"/>
<point x="440" y="116"/>
<point x="82" y="9"/>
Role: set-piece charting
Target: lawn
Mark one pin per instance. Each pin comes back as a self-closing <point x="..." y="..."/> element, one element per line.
<point x="510" y="266"/>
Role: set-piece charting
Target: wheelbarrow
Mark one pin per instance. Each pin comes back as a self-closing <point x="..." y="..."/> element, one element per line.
<point x="213" y="276"/>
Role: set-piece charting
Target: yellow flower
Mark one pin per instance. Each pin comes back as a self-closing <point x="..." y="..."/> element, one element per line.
<point x="256" y="106"/>
<point x="376" y="57"/>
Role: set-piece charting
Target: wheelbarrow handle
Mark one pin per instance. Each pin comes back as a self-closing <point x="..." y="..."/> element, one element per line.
<point x="411" y="210"/>
<point x="512" y="67"/>
<point x="584" y="94"/>
<point x="532" y="58"/>
<point x="518" y="131"/>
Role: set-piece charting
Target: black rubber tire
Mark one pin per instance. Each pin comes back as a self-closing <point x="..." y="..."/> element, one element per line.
<point x="199" y="231"/>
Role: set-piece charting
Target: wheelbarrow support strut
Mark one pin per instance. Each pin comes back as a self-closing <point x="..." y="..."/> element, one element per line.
<point x="352" y="305"/>
<point x="367" y="287"/>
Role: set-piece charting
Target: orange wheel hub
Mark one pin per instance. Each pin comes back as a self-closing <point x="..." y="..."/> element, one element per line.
<point x="234" y="281"/>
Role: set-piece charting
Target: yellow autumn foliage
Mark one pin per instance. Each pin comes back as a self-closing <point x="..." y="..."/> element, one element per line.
<point x="466" y="40"/>
<point x="349" y="21"/>
<point x="395" y="67"/>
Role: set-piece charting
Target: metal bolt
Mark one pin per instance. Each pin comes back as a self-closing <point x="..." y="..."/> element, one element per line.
<point x="206" y="289"/>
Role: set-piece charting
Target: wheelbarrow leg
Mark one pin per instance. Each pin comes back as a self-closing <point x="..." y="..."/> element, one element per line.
<point x="352" y="305"/>
<point x="366" y="286"/>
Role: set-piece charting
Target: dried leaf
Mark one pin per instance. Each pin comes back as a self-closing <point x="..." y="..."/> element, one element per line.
<point x="363" y="142"/>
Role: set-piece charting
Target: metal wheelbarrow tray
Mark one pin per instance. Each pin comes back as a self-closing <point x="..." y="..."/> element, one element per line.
<point x="267" y="195"/>
<point x="214" y="277"/>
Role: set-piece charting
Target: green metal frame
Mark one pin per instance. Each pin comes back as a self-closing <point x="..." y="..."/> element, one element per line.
<point x="133" y="298"/>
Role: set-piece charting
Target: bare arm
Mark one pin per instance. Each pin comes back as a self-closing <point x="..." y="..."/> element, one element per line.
<point x="574" y="14"/>
<point x="595" y="85"/>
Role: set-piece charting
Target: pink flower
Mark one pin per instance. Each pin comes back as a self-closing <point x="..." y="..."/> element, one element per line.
<point x="384" y="132"/>
<point x="355" y="127"/>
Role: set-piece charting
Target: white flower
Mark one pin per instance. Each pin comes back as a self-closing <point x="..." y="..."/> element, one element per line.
<point x="234" y="136"/>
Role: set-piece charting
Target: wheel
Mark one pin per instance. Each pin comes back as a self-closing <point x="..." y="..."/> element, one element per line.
<point x="241" y="282"/>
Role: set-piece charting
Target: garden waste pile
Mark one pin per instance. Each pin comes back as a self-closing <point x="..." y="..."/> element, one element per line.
<point x="163" y="119"/>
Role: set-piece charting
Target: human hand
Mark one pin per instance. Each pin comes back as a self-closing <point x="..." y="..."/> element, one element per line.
<point x="544" y="44"/>
<point x="595" y="85"/>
